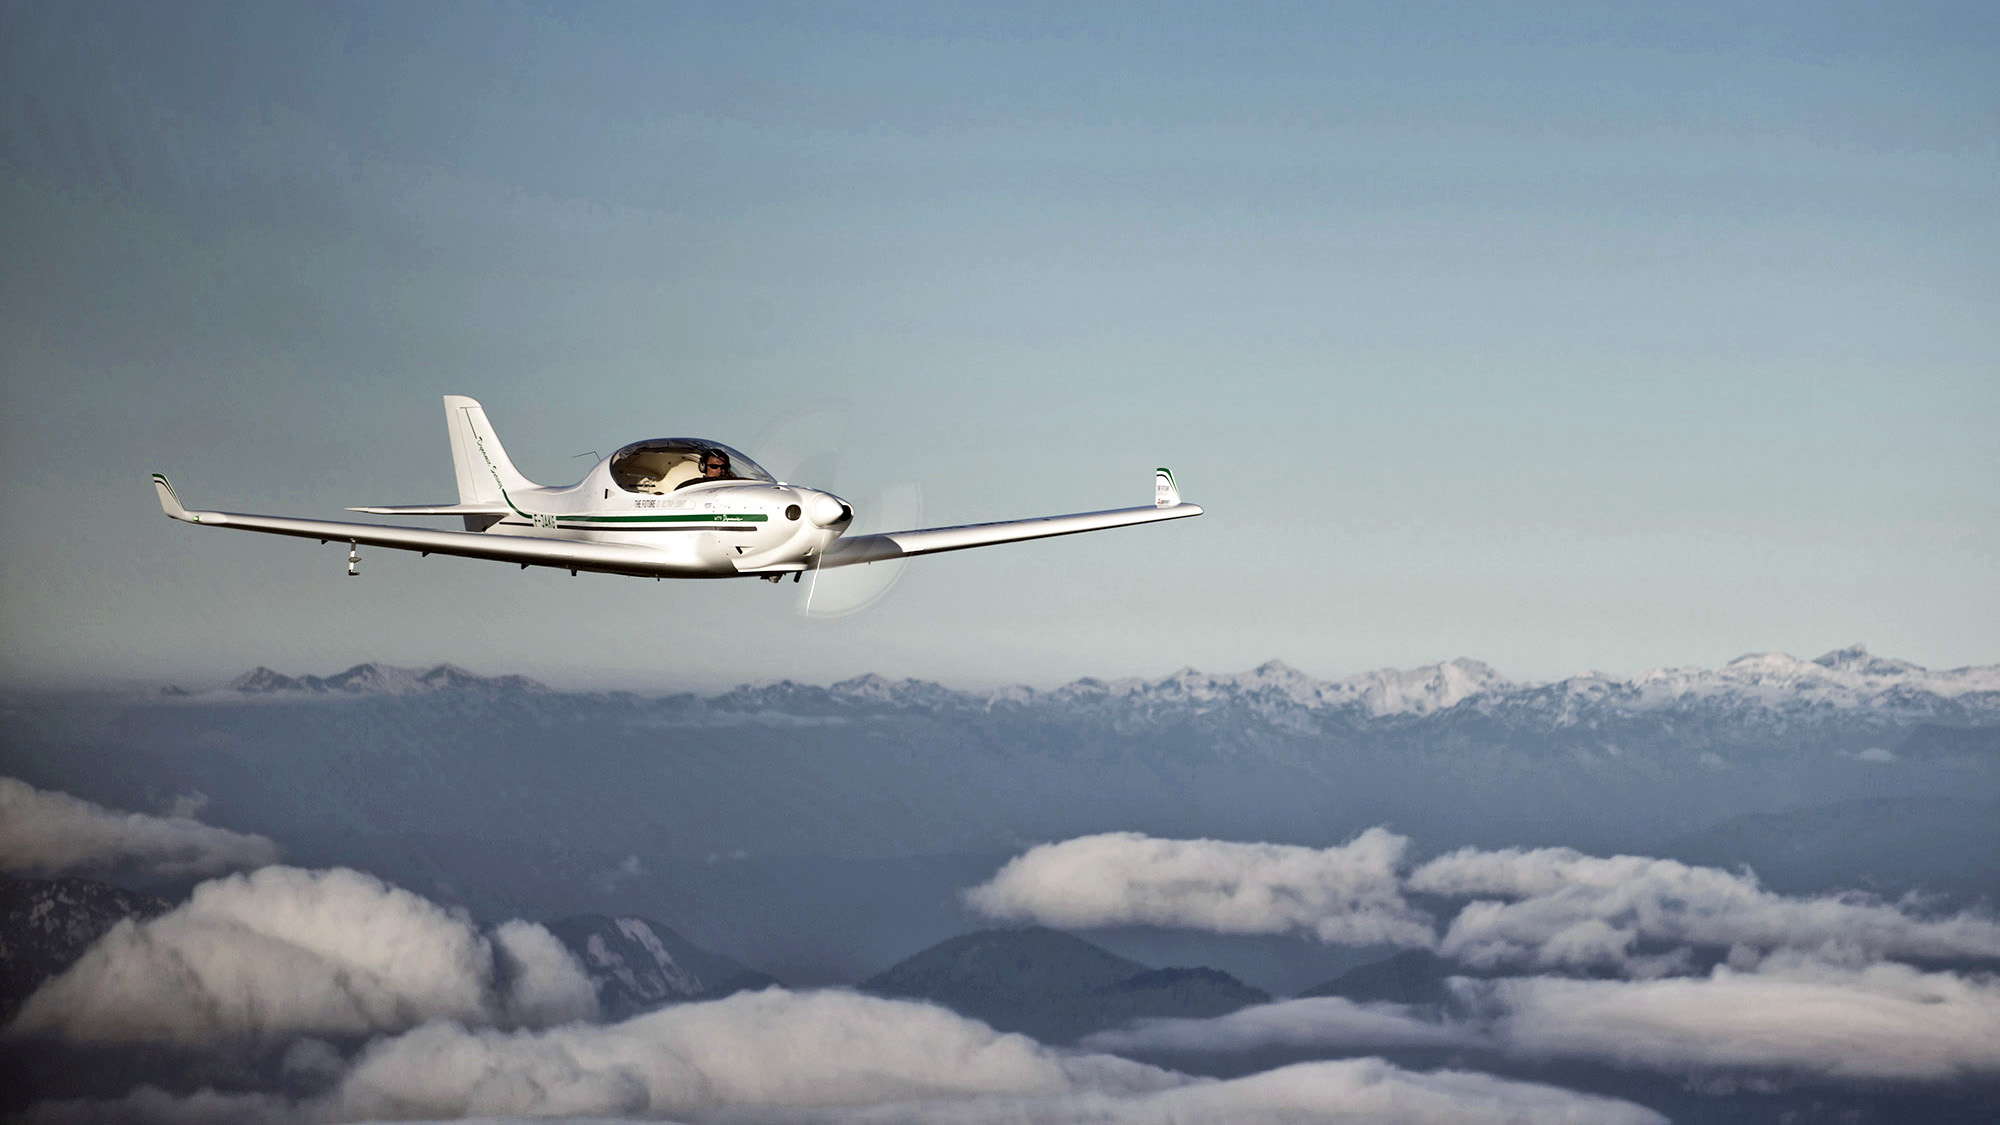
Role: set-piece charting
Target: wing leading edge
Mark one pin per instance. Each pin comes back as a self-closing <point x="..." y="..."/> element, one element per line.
<point x="852" y="551"/>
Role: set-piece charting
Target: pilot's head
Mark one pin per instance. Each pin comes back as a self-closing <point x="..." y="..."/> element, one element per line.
<point x="714" y="465"/>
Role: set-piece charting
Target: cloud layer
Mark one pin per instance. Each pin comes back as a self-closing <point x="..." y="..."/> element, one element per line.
<point x="1811" y="987"/>
<point x="1570" y="909"/>
<point x="821" y="1056"/>
<point x="1347" y="895"/>
<point x="1883" y="1021"/>
<point x="1792" y="1015"/>
<point x="283" y="951"/>
<point x="1545" y="908"/>
<point x="49" y="833"/>
<point x="1314" y="1021"/>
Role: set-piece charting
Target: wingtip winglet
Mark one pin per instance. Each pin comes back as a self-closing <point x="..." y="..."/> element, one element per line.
<point x="170" y="501"/>
<point x="1166" y="494"/>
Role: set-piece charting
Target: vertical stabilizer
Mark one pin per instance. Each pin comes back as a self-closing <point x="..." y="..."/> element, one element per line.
<point x="484" y="472"/>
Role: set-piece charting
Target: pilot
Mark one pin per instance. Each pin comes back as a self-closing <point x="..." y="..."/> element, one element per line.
<point x="714" y="466"/>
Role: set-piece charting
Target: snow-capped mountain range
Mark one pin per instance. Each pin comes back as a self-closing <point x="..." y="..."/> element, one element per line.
<point x="1848" y="679"/>
<point x="375" y="679"/>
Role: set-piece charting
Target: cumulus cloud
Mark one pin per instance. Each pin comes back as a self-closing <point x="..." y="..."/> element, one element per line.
<point x="1545" y="907"/>
<point x="837" y="1056"/>
<point x="284" y="951"/>
<point x="1349" y="895"/>
<point x="546" y="985"/>
<point x="48" y="833"/>
<point x="1883" y="1021"/>
<point x="1811" y="988"/>
<point x="1570" y="909"/>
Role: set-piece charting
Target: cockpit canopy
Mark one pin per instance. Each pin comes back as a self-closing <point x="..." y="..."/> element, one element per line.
<point x="664" y="464"/>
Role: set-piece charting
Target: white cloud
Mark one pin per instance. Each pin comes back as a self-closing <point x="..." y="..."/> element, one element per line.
<point x="1809" y="990"/>
<point x="1314" y="1021"/>
<point x="773" y="1048"/>
<point x="545" y="984"/>
<point x="1577" y="910"/>
<point x="285" y="951"/>
<point x="837" y="1056"/>
<point x="48" y="833"/>
<point x="1347" y="895"/>
<point x="1791" y="1015"/>
<point x="1882" y="1021"/>
<point x="1347" y="1091"/>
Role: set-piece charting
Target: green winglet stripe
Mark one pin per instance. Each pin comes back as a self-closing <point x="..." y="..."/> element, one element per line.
<point x="161" y="480"/>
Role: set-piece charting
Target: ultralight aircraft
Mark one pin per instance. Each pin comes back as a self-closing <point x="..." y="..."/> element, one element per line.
<point x="662" y="508"/>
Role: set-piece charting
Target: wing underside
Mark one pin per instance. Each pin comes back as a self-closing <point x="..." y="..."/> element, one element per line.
<point x="606" y="558"/>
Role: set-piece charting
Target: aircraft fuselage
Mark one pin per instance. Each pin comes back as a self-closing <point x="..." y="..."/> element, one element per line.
<point x="707" y="528"/>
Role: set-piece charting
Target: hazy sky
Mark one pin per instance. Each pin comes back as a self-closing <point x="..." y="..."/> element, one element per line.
<point x="1561" y="336"/>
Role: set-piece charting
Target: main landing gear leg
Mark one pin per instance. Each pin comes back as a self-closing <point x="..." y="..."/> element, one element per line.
<point x="353" y="560"/>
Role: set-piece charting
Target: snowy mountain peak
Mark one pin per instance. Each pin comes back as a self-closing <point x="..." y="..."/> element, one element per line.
<point x="261" y="679"/>
<point x="375" y="678"/>
<point x="1845" y="678"/>
<point x="1425" y="689"/>
<point x="1278" y="670"/>
<point x="1856" y="658"/>
<point x="1755" y="662"/>
<point x="638" y="965"/>
<point x="1274" y="687"/>
<point x="871" y="688"/>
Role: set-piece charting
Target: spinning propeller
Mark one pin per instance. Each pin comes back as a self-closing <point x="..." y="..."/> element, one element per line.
<point x="804" y="448"/>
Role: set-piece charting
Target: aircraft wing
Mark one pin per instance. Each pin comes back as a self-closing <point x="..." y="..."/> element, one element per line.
<point x="609" y="558"/>
<point x="932" y="540"/>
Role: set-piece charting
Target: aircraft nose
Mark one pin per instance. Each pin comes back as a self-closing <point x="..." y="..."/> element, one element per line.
<point x="828" y="510"/>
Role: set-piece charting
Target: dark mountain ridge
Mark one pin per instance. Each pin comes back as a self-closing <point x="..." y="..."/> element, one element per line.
<point x="1054" y="986"/>
<point x="46" y="924"/>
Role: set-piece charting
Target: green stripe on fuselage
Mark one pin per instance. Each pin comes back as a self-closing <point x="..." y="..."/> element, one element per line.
<point x="687" y="517"/>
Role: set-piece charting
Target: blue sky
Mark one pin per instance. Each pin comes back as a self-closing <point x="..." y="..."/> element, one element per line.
<point x="1560" y="336"/>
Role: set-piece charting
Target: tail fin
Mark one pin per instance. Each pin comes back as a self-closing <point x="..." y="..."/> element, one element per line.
<point x="484" y="472"/>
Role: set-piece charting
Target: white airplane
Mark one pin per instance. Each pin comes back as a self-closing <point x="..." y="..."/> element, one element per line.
<point x="665" y="508"/>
